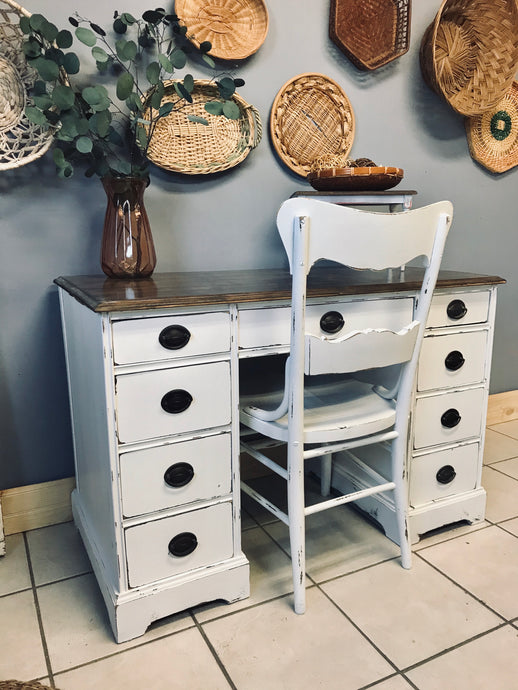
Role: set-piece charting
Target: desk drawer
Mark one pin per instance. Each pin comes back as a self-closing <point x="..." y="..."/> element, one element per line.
<point x="455" y="359"/>
<point x="175" y="474"/>
<point x="458" y="309"/>
<point x="172" y="401"/>
<point x="437" y="475"/>
<point x="175" y="545"/>
<point x="449" y="417"/>
<point x="156" y="339"/>
<point x="271" y="326"/>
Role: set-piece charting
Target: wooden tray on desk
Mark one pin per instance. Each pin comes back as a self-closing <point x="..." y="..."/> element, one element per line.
<point x="364" y="179"/>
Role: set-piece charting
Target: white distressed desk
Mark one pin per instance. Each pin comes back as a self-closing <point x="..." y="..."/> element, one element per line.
<point x="153" y="369"/>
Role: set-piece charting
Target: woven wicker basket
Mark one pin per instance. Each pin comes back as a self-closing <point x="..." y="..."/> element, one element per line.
<point x="370" y="32"/>
<point x="235" y="28"/>
<point x="311" y="117"/>
<point x="21" y="685"/>
<point x="179" y="145"/>
<point x="493" y="136"/>
<point x="469" y="53"/>
<point x="21" y="141"/>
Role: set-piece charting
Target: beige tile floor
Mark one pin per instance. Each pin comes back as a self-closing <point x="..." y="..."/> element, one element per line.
<point x="449" y="623"/>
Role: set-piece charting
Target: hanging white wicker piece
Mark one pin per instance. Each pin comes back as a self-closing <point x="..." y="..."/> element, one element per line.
<point x="21" y="141"/>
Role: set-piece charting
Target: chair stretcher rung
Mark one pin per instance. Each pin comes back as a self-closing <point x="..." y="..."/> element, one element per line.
<point x="348" y="498"/>
<point x="348" y="445"/>
<point x="264" y="502"/>
<point x="260" y="457"/>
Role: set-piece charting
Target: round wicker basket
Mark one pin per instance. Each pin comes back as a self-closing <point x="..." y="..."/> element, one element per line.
<point x="493" y="136"/>
<point x="235" y="28"/>
<point x="21" y="685"/>
<point x="180" y="145"/>
<point x="21" y="141"/>
<point x="311" y="117"/>
<point x="469" y="53"/>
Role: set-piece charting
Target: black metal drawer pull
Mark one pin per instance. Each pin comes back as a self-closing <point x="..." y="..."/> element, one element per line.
<point x="450" y="418"/>
<point x="179" y="474"/>
<point x="174" y="337"/>
<point x="183" y="544"/>
<point x="445" y="474"/>
<point x="176" y="401"/>
<point x="456" y="309"/>
<point x="454" y="360"/>
<point x="332" y="322"/>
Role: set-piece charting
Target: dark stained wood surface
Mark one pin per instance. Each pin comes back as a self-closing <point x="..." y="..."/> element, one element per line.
<point x="169" y="290"/>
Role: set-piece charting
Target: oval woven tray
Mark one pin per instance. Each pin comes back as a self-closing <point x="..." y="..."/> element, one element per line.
<point x="359" y="179"/>
<point x="469" y="53"/>
<point x="235" y="28"/>
<point x="370" y="33"/>
<point x="179" y="145"/>
<point x="311" y="117"/>
<point x="493" y="136"/>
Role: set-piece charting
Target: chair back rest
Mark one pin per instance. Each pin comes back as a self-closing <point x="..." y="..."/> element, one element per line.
<point x="312" y="230"/>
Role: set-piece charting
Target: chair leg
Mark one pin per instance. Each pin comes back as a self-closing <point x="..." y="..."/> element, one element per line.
<point x="326" y="462"/>
<point x="296" y="521"/>
<point x="399" y="473"/>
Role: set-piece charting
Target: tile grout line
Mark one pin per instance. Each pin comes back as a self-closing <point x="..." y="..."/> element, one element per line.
<point x="212" y="650"/>
<point x="38" y="611"/>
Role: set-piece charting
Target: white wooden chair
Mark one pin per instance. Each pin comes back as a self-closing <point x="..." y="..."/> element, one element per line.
<point x="319" y="416"/>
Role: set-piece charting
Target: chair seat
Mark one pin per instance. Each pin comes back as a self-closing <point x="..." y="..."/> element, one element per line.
<point x="333" y="411"/>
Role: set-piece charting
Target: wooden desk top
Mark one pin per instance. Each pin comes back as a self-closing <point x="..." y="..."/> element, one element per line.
<point x="170" y="290"/>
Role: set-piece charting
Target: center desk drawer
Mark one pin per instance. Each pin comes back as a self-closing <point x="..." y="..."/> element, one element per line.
<point x="271" y="326"/>
<point x="177" y="544"/>
<point x="175" y="474"/>
<point x="172" y="401"/>
<point x="158" y="338"/>
<point x="449" y="417"/>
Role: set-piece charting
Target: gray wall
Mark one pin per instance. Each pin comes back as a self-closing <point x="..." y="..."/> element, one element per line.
<point x="50" y="227"/>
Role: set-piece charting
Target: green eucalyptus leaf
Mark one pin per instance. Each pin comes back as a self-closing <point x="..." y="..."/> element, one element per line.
<point x="25" y="25"/>
<point x="84" y="145"/>
<point x="188" y="82"/>
<point x="98" y="29"/>
<point x="226" y="87"/>
<point x="92" y="95"/>
<point x="153" y="73"/>
<point x="239" y="82"/>
<point x="49" y="31"/>
<point x="128" y="18"/>
<point x="100" y="123"/>
<point x="86" y="36"/>
<point x="130" y="50"/>
<point x="157" y="95"/>
<point x="205" y="46"/>
<point x="59" y="157"/>
<point x="35" y="115"/>
<point x="142" y="137"/>
<point x="31" y="48"/>
<point x="42" y="102"/>
<point x="115" y="138"/>
<point x="52" y="117"/>
<point x="125" y="84"/>
<point x="231" y="110"/>
<point x="214" y="107"/>
<point x="37" y="21"/>
<point x="99" y="54"/>
<point x="152" y="16"/>
<point x="66" y="171"/>
<point x="166" y="63"/>
<point x="119" y="26"/>
<point x="121" y="167"/>
<point x="208" y="60"/>
<point x="39" y="88"/>
<point x="63" y="97"/>
<point x="64" y="39"/>
<point x="69" y="126"/>
<point x="197" y="118"/>
<point x="55" y="55"/>
<point x="133" y="103"/>
<point x="47" y="69"/>
<point x="165" y="109"/>
<point x="73" y="21"/>
<point x="182" y="91"/>
<point x="83" y="125"/>
<point x="178" y="58"/>
<point x="71" y="63"/>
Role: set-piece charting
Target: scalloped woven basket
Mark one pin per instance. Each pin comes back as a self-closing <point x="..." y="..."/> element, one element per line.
<point x="469" y="54"/>
<point x="21" y="141"/>
<point x="21" y="685"/>
<point x="235" y="28"/>
<point x="311" y="117"/>
<point x="179" y="145"/>
<point x="493" y="136"/>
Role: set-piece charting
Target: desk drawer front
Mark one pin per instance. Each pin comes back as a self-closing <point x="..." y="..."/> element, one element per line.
<point x="449" y="417"/>
<point x="457" y="359"/>
<point x="444" y="473"/>
<point x="175" y="474"/>
<point x="271" y="326"/>
<point x="172" y="401"/>
<point x="458" y="309"/>
<point x="156" y="339"/>
<point x="174" y="545"/>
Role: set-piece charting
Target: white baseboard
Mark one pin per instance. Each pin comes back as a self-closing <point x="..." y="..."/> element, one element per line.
<point x="41" y="505"/>
<point x="37" y="505"/>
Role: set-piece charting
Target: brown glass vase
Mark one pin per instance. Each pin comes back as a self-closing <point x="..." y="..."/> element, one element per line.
<point x="127" y="245"/>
